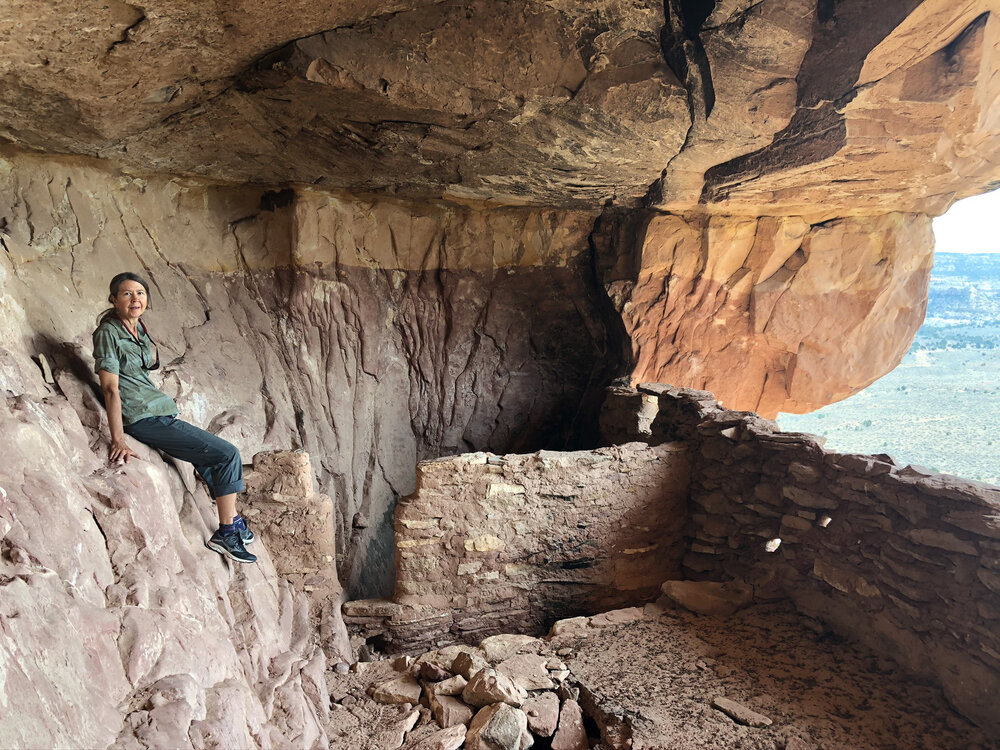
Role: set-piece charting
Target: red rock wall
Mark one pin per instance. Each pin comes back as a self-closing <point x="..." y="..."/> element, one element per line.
<point x="372" y="333"/>
<point x="490" y="544"/>
<point x="727" y="107"/>
<point x="372" y="352"/>
<point x="900" y="558"/>
<point x="118" y="628"/>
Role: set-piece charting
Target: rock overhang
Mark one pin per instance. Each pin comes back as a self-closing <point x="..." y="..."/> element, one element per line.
<point x="778" y="108"/>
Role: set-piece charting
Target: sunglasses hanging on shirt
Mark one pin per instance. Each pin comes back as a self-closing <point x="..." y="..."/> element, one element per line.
<point x="152" y="345"/>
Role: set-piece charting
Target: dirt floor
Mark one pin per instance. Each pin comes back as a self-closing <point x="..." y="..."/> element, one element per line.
<point x="662" y="674"/>
<point x="650" y="684"/>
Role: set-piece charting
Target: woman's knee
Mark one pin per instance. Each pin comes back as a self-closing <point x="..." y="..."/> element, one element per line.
<point x="233" y="454"/>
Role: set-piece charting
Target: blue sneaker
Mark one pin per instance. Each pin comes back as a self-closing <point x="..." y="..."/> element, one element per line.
<point x="231" y="546"/>
<point x="246" y="536"/>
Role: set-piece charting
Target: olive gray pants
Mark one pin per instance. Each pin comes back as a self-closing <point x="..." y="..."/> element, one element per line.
<point x="216" y="460"/>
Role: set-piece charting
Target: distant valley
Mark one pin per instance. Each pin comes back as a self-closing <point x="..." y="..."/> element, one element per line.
<point x="940" y="408"/>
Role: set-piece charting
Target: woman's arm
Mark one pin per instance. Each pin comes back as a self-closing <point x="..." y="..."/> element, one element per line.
<point x="119" y="451"/>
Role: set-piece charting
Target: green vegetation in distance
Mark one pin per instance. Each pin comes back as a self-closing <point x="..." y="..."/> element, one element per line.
<point x="940" y="408"/>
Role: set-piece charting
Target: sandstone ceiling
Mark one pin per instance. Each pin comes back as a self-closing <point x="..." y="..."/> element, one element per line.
<point x="821" y="108"/>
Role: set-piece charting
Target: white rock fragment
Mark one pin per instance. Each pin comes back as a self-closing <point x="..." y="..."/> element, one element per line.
<point x="740" y="713"/>
<point x="400" y="690"/>
<point x="489" y="686"/>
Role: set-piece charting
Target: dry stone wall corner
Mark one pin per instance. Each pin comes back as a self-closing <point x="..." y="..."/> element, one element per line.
<point x="897" y="557"/>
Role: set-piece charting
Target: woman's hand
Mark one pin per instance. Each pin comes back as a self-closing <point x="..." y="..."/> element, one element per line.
<point x="120" y="452"/>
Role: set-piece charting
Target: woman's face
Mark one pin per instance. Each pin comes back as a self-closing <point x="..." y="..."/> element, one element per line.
<point x="130" y="302"/>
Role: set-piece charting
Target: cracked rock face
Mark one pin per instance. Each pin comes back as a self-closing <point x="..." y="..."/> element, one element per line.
<point x="116" y="618"/>
<point x="373" y="334"/>
<point x="786" y="155"/>
<point x="390" y="230"/>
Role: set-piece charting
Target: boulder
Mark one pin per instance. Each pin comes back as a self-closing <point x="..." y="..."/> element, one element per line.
<point x="400" y="690"/>
<point x="542" y="710"/>
<point x="528" y="671"/>
<point x="499" y="727"/>
<point x="467" y="663"/>
<point x="571" y="734"/>
<point x="500" y="647"/>
<point x="452" y="686"/>
<point x="449" y="711"/>
<point x="709" y="597"/>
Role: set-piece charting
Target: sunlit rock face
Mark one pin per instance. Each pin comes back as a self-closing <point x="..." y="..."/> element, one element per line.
<point x="771" y="313"/>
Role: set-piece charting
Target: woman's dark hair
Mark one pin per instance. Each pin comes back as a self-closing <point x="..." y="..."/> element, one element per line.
<point x="113" y="287"/>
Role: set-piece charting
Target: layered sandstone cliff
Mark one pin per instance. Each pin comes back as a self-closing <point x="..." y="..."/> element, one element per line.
<point x="790" y="152"/>
<point x="371" y="333"/>
<point x="769" y="313"/>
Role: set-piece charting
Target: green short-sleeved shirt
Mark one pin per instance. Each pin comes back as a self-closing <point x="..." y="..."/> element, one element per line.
<point x="116" y="351"/>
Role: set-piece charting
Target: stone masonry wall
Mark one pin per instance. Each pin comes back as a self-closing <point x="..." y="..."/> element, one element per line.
<point x="491" y="544"/>
<point x="296" y="524"/>
<point x="901" y="558"/>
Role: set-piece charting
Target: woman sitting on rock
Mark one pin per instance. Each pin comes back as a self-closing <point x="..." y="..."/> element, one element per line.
<point x="123" y="355"/>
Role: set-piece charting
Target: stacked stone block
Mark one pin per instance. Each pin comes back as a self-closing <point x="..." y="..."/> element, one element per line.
<point x="491" y="544"/>
<point x="296" y="524"/>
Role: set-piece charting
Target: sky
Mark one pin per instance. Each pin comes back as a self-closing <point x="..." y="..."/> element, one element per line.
<point x="970" y="226"/>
